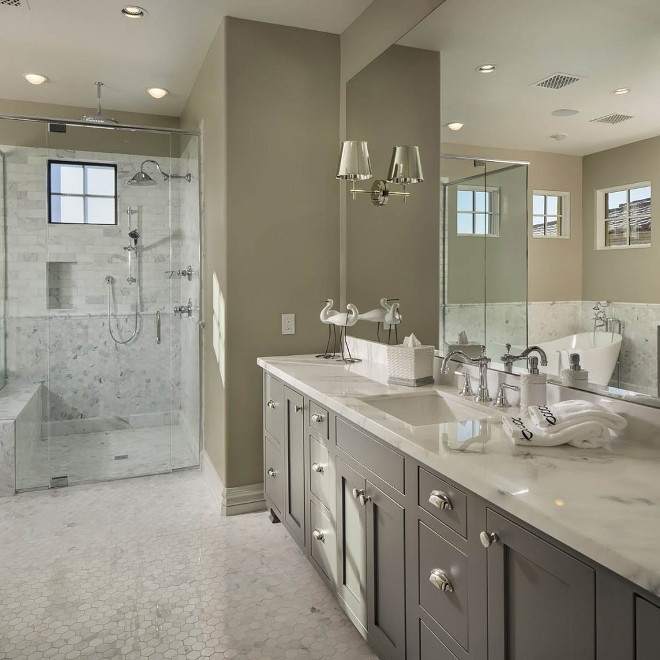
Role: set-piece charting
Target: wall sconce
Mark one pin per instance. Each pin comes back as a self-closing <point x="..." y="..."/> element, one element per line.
<point x="355" y="165"/>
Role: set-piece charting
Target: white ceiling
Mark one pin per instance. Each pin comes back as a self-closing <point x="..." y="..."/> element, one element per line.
<point x="77" y="42"/>
<point x="612" y="43"/>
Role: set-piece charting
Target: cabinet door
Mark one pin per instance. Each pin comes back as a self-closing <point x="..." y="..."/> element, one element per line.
<point x="647" y="630"/>
<point x="540" y="600"/>
<point x="273" y="474"/>
<point x="386" y="593"/>
<point x="294" y="460"/>
<point x="274" y="407"/>
<point x="351" y="538"/>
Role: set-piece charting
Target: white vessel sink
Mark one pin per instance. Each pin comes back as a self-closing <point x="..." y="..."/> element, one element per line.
<point x="424" y="408"/>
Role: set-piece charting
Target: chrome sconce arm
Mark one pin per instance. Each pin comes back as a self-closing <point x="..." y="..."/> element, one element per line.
<point x="355" y="165"/>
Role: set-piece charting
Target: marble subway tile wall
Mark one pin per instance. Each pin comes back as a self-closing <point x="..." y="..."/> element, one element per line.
<point x="57" y="328"/>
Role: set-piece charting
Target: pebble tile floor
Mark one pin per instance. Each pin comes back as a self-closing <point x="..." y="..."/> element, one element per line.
<point x="147" y="568"/>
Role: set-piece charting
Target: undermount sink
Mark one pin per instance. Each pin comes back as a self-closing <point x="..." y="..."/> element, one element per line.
<point x="424" y="408"/>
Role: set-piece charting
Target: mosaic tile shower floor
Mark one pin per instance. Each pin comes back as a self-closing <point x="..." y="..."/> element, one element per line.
<point x="89" y="457"/>
<point x="147" y="568"/>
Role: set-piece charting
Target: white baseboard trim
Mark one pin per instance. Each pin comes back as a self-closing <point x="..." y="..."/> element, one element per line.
<point x="232" y="501"/>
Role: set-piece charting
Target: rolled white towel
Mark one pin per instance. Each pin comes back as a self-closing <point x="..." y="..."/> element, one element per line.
<point x="585" y="435"/>
<point x="562" y="415"/>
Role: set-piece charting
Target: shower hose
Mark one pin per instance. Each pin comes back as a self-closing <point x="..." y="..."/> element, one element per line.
<point x="109" y="280"/>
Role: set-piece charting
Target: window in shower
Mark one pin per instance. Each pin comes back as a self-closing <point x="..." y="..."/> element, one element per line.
<point x="550" y="214"/>
<point x="82" y="193"/>
<point x="477" y="211"/>
<point x="624" y="216"/>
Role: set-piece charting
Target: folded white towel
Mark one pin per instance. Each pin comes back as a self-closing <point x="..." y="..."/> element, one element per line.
<point x="562" y="415"/>
<point x="585" y="435"/>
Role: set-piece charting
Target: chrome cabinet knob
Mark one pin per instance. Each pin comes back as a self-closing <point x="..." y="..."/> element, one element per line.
<point x="318" y="535"/>
<point x="318" y="418"/>
<point x="488" y="538"/>
<point x="357" y="492"/>
<point x="440" y="580"/>
<point x="298" y="408"/>
<point x="271" y="404"/>
<point x="272" y="473"/>
<point x="436" y="498"/>
<point x="317" y="467"/>
<point x="364" y="499"/>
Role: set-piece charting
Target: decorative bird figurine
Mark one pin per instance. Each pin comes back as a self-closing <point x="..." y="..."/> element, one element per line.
<point x="327" y="312"/>
<point x="345" y="319"/>
<point x="378" y="315"/>
<point x="392" y="319"/>
<point x="332" y="318"/>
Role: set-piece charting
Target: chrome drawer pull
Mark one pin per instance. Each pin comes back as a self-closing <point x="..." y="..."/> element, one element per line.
<point x="272" y="473"/>
<point x="440" y="580"/>
<point x="271" y="404"/>
<point x="318" y="418"/>
<point x="317" y="467"/>
<point x="488" y="538"/>
<point x="440" y="500"/>
<point x="318" y="535"/>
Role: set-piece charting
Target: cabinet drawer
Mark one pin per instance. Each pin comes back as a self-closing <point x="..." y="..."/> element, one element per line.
<point x="274" y="407"/>
<point x="434" y="493"/>
<point x="431" y="648"/>
<point x="440" y="559"/>
<point x="647" y="630"/>
<point x="381" y="460"/>
<point x="321" y="474"/>
<point x="274" y="475"/>
<point x="323" y="543"/>
<point x="318" y="419"/>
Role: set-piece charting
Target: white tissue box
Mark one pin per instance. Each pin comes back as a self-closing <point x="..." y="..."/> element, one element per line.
<point x="411" y="366"/>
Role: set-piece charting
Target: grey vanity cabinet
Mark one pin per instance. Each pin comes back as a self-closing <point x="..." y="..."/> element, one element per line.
<point x="295" y="465"/>
<point x="541" y="601"/>
<point x="371" y="576"/>
<point x="647" y="630"/>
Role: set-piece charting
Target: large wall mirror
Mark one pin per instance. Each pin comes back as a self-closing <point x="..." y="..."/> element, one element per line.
<point x="573" y="93"/>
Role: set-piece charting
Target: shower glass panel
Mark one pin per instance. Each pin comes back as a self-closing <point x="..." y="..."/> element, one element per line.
<point x="95" y="274"/>
<point x="3" y="269"/>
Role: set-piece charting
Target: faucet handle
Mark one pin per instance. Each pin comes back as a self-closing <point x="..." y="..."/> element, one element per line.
<point x="501" y="401"/>
<point x="466" y="390"/>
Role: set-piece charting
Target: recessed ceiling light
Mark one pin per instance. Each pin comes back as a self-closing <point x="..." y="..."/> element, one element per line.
<point x="486" y="68"/>
<point x="559" y="136"/>
<point x="455" y="126"/>
<point x="35" y="78"/>
<point x="133" y="11"/>
<point x="157" y="92"/>
<point x="620" y="90"/>
<point x="564" y="112"/>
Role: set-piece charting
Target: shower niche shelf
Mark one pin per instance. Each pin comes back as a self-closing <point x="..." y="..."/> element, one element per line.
<point x="61" y="288"/>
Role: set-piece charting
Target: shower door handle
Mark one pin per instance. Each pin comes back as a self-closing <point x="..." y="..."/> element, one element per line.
<point x="158" y="327"/>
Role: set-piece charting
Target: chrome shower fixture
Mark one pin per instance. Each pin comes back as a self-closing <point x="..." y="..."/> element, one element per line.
<point x="143" y="179"/>
<point x="98" y="118"/>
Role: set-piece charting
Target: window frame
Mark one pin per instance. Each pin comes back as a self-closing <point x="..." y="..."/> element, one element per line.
<point x="600" y="194"/>
<point x="84" y="195"/>
<point x="565" y="216"/>
<point x="494" y="215"/>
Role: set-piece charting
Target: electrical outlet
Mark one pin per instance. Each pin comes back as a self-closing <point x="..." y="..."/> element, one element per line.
<point x="288" y="324"/>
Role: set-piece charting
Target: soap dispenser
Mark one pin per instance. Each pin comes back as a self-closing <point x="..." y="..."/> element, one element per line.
<point x="574" y="376"/>
<point x="532" y="386"/>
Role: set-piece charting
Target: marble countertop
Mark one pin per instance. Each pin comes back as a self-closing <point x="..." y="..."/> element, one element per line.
<point x="604" y="503"/>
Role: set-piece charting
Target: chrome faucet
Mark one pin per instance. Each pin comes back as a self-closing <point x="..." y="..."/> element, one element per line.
<point x="509" y="359"/>
<point x="482" y="393"/>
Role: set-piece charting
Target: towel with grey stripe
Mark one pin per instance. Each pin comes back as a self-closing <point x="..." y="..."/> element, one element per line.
<point x="557" y="417"/>
<point x="585" y="435"/>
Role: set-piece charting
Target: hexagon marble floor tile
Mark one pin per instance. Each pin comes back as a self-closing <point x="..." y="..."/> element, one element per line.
<point x="147" y="568"/>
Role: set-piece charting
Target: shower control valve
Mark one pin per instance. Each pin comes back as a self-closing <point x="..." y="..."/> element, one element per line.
<point x="180" y="310"/>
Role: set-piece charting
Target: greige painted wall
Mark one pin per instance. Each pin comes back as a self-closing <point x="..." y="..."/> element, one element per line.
<point x="392" y="251"/>
<point x="280" y="247"/>
<point x="621" y="275"/>
<point x="555" y="265"/>
<point x="206" y="109"/>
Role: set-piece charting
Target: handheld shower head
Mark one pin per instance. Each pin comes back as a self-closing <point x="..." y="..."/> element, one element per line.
<point x="134" y="234"/>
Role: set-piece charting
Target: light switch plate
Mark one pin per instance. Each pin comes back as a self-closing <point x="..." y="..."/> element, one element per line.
<point x="288" y="324"/>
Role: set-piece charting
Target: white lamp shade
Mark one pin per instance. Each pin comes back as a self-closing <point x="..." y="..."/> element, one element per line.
<point x="406" y="166"/>
<point x="354" y="163"/>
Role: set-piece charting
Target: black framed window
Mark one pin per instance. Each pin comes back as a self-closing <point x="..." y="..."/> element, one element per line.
<point x="82" y="193"/>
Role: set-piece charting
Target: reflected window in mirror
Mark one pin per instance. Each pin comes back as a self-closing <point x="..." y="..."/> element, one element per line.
<point x="550" y="214"/>
<point x="624" y="216"/>
<point x="477" y="211"/>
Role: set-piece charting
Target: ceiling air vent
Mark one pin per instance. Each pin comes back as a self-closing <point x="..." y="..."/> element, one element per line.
<point x="20" y="4"/>
<point x="557" y="81"/>
<point x="614" y="118"/>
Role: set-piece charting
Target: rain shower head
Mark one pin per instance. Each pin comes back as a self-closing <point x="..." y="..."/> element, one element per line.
<point x="98" y="118"/>
<point x="143" y="179"/>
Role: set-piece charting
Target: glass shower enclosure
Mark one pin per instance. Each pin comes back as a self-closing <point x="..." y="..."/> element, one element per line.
<point x="102" y="298"/>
